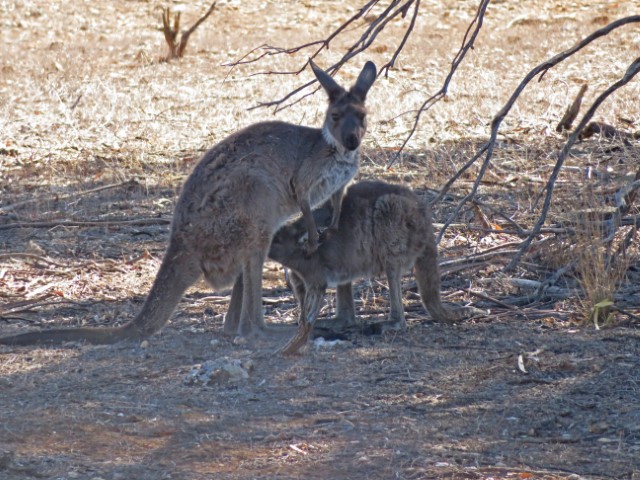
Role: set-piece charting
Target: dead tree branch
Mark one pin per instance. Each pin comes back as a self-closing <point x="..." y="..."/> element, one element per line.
<point x="395" y="9"/>
<point x="572" y="111"/>
<point x="177" y="47"/>
<point x="500" y="116"/>
<point x="467" y="44"/>
<point x="84" y="224"/>
<point x="631" y="72"/>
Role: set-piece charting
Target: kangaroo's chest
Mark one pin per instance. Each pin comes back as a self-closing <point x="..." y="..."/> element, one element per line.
<point x="337" y="173"/>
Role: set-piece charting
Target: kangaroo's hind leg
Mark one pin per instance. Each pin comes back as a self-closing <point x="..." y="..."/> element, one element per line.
<point x="251" y="316"/>
<point x="396" y="315"/>
<point x="232" y="318"/>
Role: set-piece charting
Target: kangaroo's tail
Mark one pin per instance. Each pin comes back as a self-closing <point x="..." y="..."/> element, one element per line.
<point x="427" y="275"/>
<point x="178" y="272"/>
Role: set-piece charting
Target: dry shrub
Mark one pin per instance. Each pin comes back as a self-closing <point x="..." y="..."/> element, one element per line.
<point x="599" y="269"/>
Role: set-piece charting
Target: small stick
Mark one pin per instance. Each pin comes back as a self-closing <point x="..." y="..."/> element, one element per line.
<point x="177" y="48"/>
<point x="127" y="183"/>
<point x="572" y="111"/>
<point x="30" y="256"/>
<point x="92" y="223"/>
<point x="491" y="299"/>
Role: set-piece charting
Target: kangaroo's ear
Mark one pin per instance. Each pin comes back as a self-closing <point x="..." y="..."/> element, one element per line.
<point x="329" y="84"/>
<point x="365" y="80"/>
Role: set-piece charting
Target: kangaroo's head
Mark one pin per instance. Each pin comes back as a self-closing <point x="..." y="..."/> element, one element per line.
<point x="346" y="121"/>
<point x="287" y="246"/>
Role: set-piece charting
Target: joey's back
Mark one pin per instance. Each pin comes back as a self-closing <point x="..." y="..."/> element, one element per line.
<point x="384" y="229"/>
<point x="379" y="223"/>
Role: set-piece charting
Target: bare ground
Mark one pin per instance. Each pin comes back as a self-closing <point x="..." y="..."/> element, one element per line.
<point x="529" y="390"/>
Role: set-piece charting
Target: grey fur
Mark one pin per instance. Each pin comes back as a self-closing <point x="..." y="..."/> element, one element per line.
<point x="384" y="229"/>
<point x="237" y="196"/>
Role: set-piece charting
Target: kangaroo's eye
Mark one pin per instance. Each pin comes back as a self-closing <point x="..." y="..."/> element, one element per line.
<point x="335" y="116"/>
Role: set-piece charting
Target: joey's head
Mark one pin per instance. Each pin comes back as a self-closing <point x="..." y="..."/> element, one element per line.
<point x="288" y="244"/>
<point x="346" y="120"/>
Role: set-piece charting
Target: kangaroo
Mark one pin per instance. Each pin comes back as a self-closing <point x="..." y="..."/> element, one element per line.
<point x="383" y="228"/>
<point x="238" y="195"/>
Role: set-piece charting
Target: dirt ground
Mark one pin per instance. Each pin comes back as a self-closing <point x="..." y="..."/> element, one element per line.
<point x="96" y="136"/>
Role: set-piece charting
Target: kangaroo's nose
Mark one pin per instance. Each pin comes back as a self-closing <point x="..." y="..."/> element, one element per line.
<point x="351" y="142"/>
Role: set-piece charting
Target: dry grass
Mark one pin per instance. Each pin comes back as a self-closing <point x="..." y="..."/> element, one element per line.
<point x="86" y="102"/>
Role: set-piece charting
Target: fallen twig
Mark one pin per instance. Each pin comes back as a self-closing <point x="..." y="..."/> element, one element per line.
<point x="91" y="223"/>
<point x="60" y="198"/>
<point x="484" y="296"/>
<point x="30" y="256"/>
<point x="472" y="261"/>
<point x="177" y="47"/>
<point x="31" y="306"/>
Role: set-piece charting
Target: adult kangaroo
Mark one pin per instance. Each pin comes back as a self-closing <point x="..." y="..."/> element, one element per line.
<point x="383" y="228"/>
<point x="238" y="195"/>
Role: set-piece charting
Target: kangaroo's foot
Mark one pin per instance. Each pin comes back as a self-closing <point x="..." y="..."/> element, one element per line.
<point x="456" y="314"/>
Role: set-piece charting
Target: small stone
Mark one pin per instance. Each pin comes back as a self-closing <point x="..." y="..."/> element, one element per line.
<point x="239" y="341"/>
<point x="248" y="364"/>
<point x="214" y="343"/>
<point x="144" y="344"/>
<point x="220" y="371"/>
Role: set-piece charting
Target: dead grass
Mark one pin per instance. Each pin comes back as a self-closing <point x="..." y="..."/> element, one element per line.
<point x="85" y="102"/>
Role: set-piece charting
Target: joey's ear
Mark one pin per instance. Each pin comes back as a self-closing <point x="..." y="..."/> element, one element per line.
<point x="365" y="80"/>
<point x="329" y="84"/>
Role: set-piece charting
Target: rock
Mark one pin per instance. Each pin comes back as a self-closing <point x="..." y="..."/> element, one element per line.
<point x="322" y="343"/>
<point x="216" y="372"/>
<point x="239" y="340"/>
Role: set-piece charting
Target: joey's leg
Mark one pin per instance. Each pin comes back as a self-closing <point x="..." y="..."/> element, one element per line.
<point x="346" y="310"/>
<point x="396" y="315"/>
<point x="251" y="316"/>
<point x="232" y="318"/>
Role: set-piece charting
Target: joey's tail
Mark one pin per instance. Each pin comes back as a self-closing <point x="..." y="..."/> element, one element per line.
<point x="428" y="279"/>
<point x="177" y="273"/>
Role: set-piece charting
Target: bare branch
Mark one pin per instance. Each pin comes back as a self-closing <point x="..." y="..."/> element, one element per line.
<point x="572" y="111"/>
<point x="395" y="9"/>
<point x="269" y="50"/>
<point x="500" y="116"/>
<point x="467" y="44"/>
<point x="177" y="47"/>
<point x="631" y="72"/>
